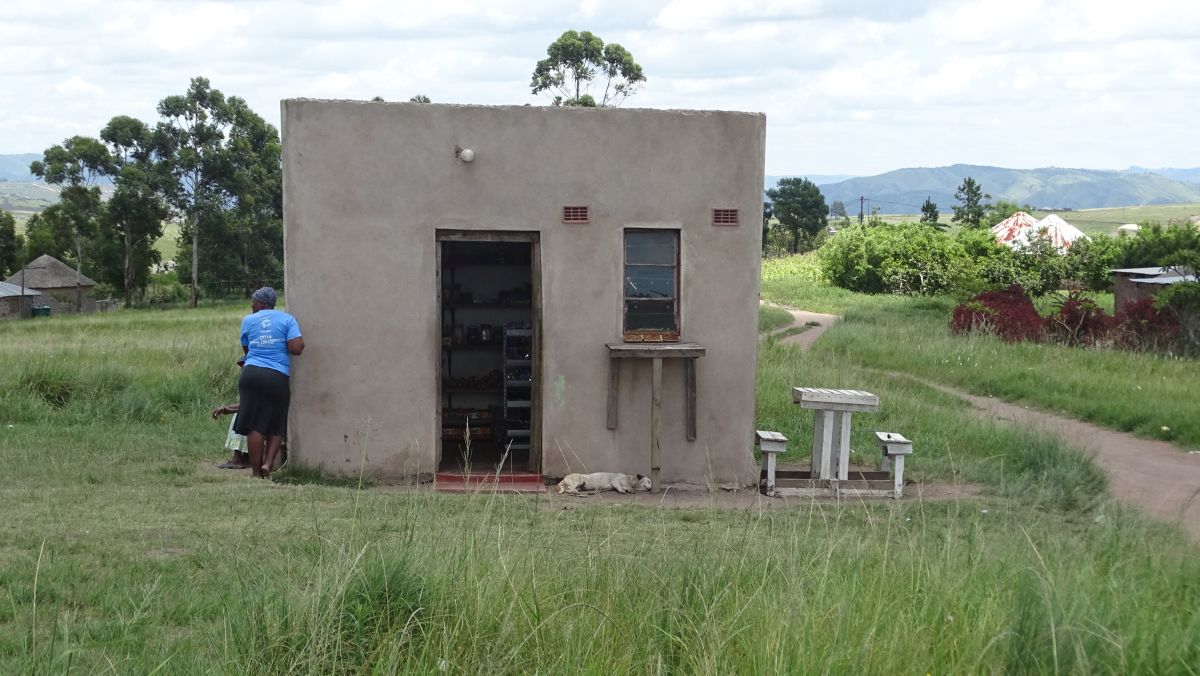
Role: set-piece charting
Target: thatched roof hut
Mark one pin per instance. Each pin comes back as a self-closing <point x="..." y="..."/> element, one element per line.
<point x="47" y="272"/>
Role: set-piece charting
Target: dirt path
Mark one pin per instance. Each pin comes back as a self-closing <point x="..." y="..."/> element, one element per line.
<point x="1157" y="477"/>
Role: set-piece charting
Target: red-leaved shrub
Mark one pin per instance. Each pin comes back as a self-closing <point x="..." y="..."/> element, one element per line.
<point x="1009" y="314"/>
<point x="1079" y="321"/>
<point x="1139" y="326"/>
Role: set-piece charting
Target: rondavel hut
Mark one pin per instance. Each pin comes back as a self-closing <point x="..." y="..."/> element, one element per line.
<point x="561" y="289"/>
<point x="62" y="289"/>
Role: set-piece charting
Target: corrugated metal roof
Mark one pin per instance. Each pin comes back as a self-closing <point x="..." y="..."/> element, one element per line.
<point x="1165" y="279"/>
<point x="11" y="290"/>
<point x="1140" y="271"/>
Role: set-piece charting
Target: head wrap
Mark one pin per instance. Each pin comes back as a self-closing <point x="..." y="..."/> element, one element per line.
<point x="266" y="295"/>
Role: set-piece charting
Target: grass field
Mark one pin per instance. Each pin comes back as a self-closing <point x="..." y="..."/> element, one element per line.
<point x="1148" y="395"/>
<point x="124" y="551"/>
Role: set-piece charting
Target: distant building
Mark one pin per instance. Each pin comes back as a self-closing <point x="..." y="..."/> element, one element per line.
<point x="1134" y="284"/>
<point x="60" y="288"/>
<point x="11" y="305"/>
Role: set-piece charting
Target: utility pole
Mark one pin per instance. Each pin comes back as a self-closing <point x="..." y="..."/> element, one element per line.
<point x="861" y="199"/>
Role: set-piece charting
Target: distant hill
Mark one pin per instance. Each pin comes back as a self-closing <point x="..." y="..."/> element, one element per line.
<point x="904" y="190"/>
<point x="16" y="167"/>
<point x="1187" y="175"/>
<point x="820" y="179"/>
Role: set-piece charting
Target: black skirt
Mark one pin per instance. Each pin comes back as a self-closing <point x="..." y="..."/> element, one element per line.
<point x="263" y="398"/>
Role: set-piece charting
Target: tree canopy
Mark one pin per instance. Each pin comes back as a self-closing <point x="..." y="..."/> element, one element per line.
<point x="929" y="214"/>
<point x="10" y="245"/>
<point x="226" y="182"/>
<point x="970" y="210"/>
<point x="575" y="61"/>
<point x="799" y="207"/>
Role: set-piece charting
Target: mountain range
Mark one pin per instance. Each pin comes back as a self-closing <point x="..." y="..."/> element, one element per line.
<point x="904" y="190"/>
<point x="16" y="167"/>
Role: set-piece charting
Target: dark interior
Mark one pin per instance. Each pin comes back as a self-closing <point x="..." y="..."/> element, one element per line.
<point x="487" y="355"/>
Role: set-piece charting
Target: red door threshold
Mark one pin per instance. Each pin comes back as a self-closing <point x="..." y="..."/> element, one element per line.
<point x="487" y="482"/>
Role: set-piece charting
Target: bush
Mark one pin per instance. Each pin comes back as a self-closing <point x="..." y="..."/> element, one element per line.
<point x="1090" y="260"/>
<point x="908" y="258"/>
<point x="1182" y="299"/>
<point x="1155" y="245"/>
<point x="1141" y="326"/>
<point x="1079" y="321"/>
<point x="1009" y="314"/>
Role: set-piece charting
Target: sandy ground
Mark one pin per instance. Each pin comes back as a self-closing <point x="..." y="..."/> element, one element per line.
<point x="1160" y="478"/>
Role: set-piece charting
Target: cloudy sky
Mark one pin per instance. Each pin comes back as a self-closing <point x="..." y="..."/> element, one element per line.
<point x="848" y="86"/>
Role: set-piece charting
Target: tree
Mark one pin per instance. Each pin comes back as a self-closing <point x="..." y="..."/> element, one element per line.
<point x="10" y="245"/>
<point x="970" y="210"/>
<point x="226" y="169"/>
<point x="48" y="232"/>
<point x="76" y="167"/>
<point x="253" y="221"/>
<point x="420" y="98"/>
<point x="837" y="209"/>
<point x="1001" y="209"/>
<point x="135" y="213"/>
<point x="799" y="207"/>
<point x="768" y="213"/>
<point x="929" y="214"/>
<point x="575" y="60"/>
<point x="192" y="138"/>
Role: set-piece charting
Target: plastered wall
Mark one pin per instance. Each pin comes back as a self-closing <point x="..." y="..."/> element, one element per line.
<point x="366" y="187"/>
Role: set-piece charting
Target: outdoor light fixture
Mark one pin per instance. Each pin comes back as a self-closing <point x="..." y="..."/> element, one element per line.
<point x="464" y="154"/>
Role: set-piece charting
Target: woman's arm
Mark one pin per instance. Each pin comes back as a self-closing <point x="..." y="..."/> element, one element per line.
<point x="225" y="410"/>
<point x="296" y="345"/>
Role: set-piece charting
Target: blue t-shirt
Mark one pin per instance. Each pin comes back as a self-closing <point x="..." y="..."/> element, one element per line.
<point x="266" y="333"/>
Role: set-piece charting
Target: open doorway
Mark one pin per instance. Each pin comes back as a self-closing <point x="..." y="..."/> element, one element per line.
<point x="490" y="321"/>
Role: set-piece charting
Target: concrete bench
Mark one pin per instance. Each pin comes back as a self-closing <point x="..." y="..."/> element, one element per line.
<point x="832" y="410"/>
<point x="895" y="447"/>
<point x="771" y="444"/>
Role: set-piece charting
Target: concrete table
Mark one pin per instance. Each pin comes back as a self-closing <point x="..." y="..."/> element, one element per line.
<point x="655" y="352"/>
<point x="832" y="410"/>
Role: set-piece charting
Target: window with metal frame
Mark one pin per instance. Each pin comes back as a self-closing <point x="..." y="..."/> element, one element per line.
<point x="651" y="281"/>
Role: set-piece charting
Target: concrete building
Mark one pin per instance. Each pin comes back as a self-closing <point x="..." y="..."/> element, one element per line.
<point x="514" y="274"/>
<point x="62" y="290"/>
<point x="15" y="302"/>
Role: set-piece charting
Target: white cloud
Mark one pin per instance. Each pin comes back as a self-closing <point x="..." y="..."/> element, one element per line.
<point x="852" y="86"/>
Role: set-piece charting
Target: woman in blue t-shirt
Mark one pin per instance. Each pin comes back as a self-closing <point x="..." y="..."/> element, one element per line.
<point x="269" y="339"/>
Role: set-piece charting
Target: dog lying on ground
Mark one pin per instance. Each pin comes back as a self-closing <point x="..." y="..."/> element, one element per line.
<point x="589" y="484"/>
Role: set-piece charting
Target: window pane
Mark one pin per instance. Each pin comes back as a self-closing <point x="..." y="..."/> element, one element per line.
<point x="656" y="247"/>
<point x="649" y="282"/>
<point x="650" y="315"/>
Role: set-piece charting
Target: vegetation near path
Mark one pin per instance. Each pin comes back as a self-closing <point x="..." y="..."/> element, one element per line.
<point x="1151" y="475"/>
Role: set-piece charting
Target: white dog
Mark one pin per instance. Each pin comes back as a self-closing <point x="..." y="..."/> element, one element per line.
<point x="603" y="481"/>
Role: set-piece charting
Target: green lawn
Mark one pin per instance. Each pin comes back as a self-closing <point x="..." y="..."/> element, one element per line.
<point x="124" y="551"/>
<point x="1148" y="395"/>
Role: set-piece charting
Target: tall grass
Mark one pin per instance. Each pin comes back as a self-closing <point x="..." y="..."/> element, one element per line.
<point x="1149" y="395"/>
<point x="770" y="318"/>
<point x="124" y="551"/>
